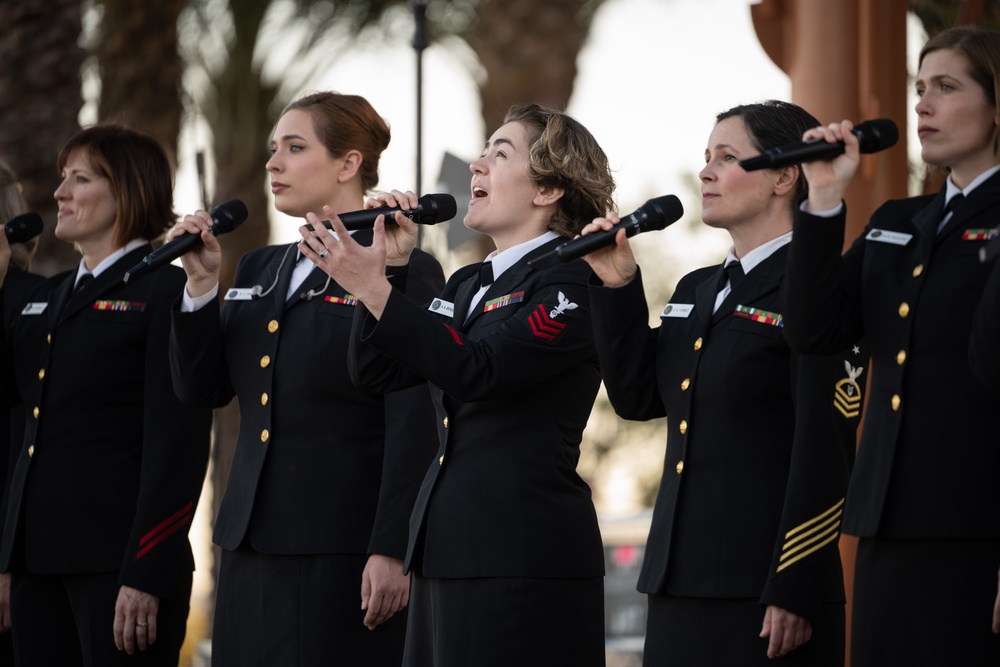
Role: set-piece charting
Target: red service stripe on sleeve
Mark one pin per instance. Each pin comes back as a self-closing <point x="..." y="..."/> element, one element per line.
<point x="162" y="536"/>
<point x="454" y="335"/>
<point x="544" y="326"/>
<point x="186" y="510"/>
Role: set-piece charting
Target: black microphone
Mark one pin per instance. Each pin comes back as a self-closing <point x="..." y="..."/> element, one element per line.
<point x="22" y="228"/>
<point x="654" y="214"/>
<point x="225" y="218"/>
<point x="874" y="135"/>
<point x="430" y="210"/>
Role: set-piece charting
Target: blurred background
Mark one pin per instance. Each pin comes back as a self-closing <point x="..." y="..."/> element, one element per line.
<point x="647" y="77"/>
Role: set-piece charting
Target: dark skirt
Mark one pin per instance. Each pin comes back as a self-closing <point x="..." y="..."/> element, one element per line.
<point x="505" y="622"/>
<point x="298" y="610"/>
<point x="925" y="603"/>
<point x="68" y="620"/>
<point x="712" y="632"/>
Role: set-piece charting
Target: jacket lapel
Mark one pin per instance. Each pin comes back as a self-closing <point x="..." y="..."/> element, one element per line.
<point x="280" y="275"/>
<point x="704" y="299"/>
<point x="463" y="300"/>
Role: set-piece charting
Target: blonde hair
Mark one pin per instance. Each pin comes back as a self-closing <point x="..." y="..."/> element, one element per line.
<point x="12" y="203"/>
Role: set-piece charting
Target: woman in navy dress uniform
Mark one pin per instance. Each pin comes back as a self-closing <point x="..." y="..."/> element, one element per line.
<point x="924" y="494"/>
<point x="313" y="522"/>
<point x="109" y="472"/>
<point x="16" y="286"/>
<point x="741" y="564"/>
<point x="504" y="542"/>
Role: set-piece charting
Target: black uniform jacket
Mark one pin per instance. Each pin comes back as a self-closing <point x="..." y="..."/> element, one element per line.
<point x="108" y="476"/>
<point x="929" y="455"/>
<point x="320" y="467"/>
<point x="984" y="348"/>
<point x="16" y="287"/>
<point x="519" y="378"/>
<point x="759" y="439"/>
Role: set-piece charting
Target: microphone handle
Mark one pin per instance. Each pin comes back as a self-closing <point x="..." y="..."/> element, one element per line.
<point x="591" y="242"/>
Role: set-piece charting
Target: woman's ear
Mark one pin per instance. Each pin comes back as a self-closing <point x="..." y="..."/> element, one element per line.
<point x="352" y="163"/>
<point x="786" y="179"/>
<point x="548" y="195"/>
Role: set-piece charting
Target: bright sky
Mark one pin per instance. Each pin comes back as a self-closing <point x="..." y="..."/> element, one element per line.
<point x="651" y="79"/>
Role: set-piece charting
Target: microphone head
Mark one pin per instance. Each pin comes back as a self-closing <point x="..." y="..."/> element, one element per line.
<point x="229" y="216"/>
<point x="22" y="228"/>
<point x="876" y="135"/>
<point x="659" y="212"/>
<point x="437" y="208"/>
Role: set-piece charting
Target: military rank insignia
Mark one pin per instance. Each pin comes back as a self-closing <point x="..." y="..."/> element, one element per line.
<point x="847" y="392"/>
<point x="120" y="306"/>
<point x="545" y="322"/>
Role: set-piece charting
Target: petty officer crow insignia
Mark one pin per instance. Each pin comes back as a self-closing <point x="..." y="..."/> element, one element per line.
<point x="847" y="393"/>
<point x="549" y="320"/>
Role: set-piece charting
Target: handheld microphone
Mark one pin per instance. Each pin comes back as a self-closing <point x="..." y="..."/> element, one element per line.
<point x="225" y="218"/>
<point x="430" y="210"/>
<point x="874" y="135"/>
<point x="654" y="214"/>
<point x="22" y="228"/>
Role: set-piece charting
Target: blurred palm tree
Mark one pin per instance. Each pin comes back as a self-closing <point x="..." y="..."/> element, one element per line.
<point x="40" y="101"/>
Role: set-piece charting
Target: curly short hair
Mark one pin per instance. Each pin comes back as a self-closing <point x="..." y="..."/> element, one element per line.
<point x="564" y="154"/>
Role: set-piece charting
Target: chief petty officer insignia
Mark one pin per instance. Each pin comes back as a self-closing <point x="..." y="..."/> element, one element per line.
<point x="847" y="393"/>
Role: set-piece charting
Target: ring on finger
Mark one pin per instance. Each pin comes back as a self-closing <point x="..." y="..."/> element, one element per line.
<point x="141" y="624"/>
<point x="326" y="251"/>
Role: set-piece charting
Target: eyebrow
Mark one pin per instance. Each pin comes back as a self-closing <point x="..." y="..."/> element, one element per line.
<point x="501" y="140"/>
<point x="939" y="77"/>
<point x="288" y="137"/>
<point x="720" y="147"/>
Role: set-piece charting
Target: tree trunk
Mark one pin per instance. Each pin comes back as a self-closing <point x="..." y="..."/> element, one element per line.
<point x="529" y="50"/>
<point x="40" y="103"/>
<point x="141" y="68"/>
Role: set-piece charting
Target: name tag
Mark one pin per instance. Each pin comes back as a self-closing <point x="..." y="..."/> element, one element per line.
<point x="442" y="307"/>
<point x="677" y="310"/>
<point x="36" y="308"/>
<point x="885" y="236"/>
<point x="239" y="294"/>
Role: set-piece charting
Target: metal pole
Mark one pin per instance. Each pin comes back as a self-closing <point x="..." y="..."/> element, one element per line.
<point x="419" y="44"/>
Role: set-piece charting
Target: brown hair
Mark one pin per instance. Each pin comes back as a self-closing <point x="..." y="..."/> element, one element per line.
<point x="981" y="47"/>
<point x="12" y="203"/>
<point x="137" y="169"/>
<point x="564" y="154"/>
<point x="344" y="123"/>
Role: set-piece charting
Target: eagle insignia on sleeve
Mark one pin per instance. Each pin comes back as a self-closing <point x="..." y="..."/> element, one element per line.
<point x="847" y="392"/>
<point x="564" y="305"/>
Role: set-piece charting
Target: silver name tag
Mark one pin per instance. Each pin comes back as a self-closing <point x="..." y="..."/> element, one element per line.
<point x="677" y="310"/>
<point x="884" y="236"/>
<point x="442" y="307"/>
<point x="239" y="294"/>
<point x="36" y="308"/>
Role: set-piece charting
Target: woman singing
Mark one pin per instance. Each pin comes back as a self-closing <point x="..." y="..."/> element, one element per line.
<point x="504" y="543"/>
